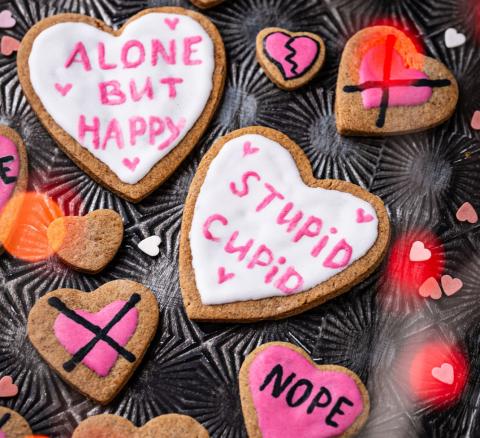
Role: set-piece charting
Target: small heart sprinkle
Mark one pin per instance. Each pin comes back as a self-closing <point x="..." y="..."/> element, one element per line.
<point x="451" y="285"/>
<point x="418" y="252"/>
<point x="8" y="45"/>
<point x="453" y="38"/>
<point x="6" y="20"/>
<point x="150" y="245"/>
<point x="444" y="373"/>
<point x="430" y="288"/>
<point x="7" y="387"/>
<point x="475" y="123"/>
<point x="467" y="213"/>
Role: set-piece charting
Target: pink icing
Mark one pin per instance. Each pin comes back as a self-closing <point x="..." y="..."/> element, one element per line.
<point x="3" y="434"/>
<point x="372" y="69"/>
<point x="102" y="357"/>
<point x="294" y="55"/>
<point x="9" y="169"/>
<point x="277" y="419"/>
<point x="172" y="24"/>
<point x="223" y="276"/>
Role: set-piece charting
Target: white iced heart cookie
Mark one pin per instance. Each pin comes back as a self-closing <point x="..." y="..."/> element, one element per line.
<point x="262" y="238"/>
<point x="127" y="106"/>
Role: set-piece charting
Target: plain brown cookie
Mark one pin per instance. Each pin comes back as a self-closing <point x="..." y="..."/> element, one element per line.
<point x="41" y="333"/>
<point x="87" y="243"/>
<point x="250" y="413"/>
<point x="274" y="70"/>
<point x="11" y="210"/>
<point x="354" y="119"/>
<point x="99" y="171"/>
<point x="284" y="306"/>
<point x="13" y="425"/>
<point x="165" y="426"/>
<point x="205" y="4"/>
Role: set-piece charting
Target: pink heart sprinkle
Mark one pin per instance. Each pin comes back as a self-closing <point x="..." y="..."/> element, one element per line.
<point x="6" y="20"/>
<point x="223" y="276"/>
<point x="363" y="217"/>
<point x="7" y="387"/>
<point x="430" y="288"/>
<point x="172" y="23"/>
<point x="248" y="149"/>
<point x="418" y="252"/>
<point x="444" y="373"/>
<point x="451" y="285"/>
<point x="467" y="213"/>
<point x="63" y="89"/>
<point x="475" y="124"/>
<point x="8" y="45"/>
<point x="132" y="165"/>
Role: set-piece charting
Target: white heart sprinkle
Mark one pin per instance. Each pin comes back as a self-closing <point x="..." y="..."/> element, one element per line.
<point x="444" y="373"/>
<point x="453" y="38"/>
<point x="150" y="245"/>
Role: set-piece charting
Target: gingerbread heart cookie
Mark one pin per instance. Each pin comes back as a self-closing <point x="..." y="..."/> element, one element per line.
<point x="285" y="394"/>
<point x="386" y="87"/>
<point x="165" y="426"/>
<point x="262" y="238"/>
<point x="95" y="340"/>
<point x="290" y="59"/>
<point x="87" y="243"/>
<point x="13" y="179"/>
<point x="13" y="425"/>
<point x="129" y="105"/>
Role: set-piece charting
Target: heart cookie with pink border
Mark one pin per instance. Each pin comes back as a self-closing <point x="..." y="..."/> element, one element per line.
<point x="386" y="86"/>
<point x="284" y="393"/>
<point x="129" y="105"/>
<point x="290" y="59"/>
<point x="164" y="426"/>
<point x="95" y="340"/>
<point x="263" y="239"/>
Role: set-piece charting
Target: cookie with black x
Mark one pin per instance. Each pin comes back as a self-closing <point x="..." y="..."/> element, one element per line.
<point x="95" y="340"/>
<point x="13" y="425"/>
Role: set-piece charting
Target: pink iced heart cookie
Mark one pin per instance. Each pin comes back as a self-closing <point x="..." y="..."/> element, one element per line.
<point x="285" y="394"/>
<point x="290" y="59"/>
<point x="386" y="87"/>
<point x="95" y="340"/>
<point x="126" y="105"/>
<point x="261" y="238"/>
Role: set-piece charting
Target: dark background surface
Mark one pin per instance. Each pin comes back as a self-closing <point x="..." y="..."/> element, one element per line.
<point x="192" y="368"/>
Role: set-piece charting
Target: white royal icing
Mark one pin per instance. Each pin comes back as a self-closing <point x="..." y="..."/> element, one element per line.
<point x="220" y="276"/>
<point x="68" y="93"/>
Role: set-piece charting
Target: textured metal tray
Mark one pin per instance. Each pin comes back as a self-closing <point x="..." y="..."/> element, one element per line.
<point x="192" y="368"/>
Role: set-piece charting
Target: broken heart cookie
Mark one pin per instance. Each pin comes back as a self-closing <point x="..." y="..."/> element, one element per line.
<point x="88" y="243"/>
<point x="129" y="105"/>
<point x="165" y="426"/>
<point x="290" y="59"/>
<point x="95" y="340"/>
<point x="284" y="393"/>
<point x="386" y="87"/>
<point x="13" y="179"/>
<point x="263" y="239"/>
<point x="204" y="4"/>
<point x="13" y="425"/>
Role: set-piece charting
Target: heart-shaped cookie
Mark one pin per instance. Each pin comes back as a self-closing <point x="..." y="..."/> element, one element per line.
<point x="285" y="394"/>
<point x="386" y="87"/>
<point x="87" y="243"/>
<point x="13" y="179"/>
<point x="263" y="239"/>
<point x="95" y="340"/>
<point x="290" y="59"/>
<point x="129" y="105"/>
<point x="165" y="426"/>
<point x="12" y="424"/>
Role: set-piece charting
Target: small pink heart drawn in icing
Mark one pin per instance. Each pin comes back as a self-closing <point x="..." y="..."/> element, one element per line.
<point x="466" y="213"/>
<point x="444" y="373"/>
<point x="131" y="164"/>
<point x="248" y="149"/>
<point x="172" y="23"/>
<point x="6" y="20"/>
<point x="363" y="217"/>
<point x="7" y="387"/>
<point x="430" y="289"/>
<point x="418" y="252"/>
<point x="293" y="55"/>
<point x="223" y="276"/>
<point x="8" y="45"/>
<point x="63" y="89"/>
<point x="451" y="285"/>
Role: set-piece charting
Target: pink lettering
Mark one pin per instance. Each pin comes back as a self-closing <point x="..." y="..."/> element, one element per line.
<point x="245" y="189"/>
<point x="147" y="90"/>
<point x="174" y="131"/>
<point x="126" y="51"/>
<point x="341" y="246"/>
<point x="210" y="220"/>
<point x="273" y="194"/>
<point x="293" y="222"/>
<point x="317" y="249"/>
<point x="257" y="257"/>
<point x="104" y="65"/>
<point x="111" y="93"/>
<point x="158" y="48"/>
<point x="172" y="89"/>
<point x="114" y="132"/>
<point x="282" y="283"/>
<point x="83" y="129"/>
<point x="156" y="127"/>
<point x="138" y="127"/>
<point x="311" y="228"/>
<point x="188" y="51"/>
<point x="242" y="249"/>
<point x="80" y="51"/>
